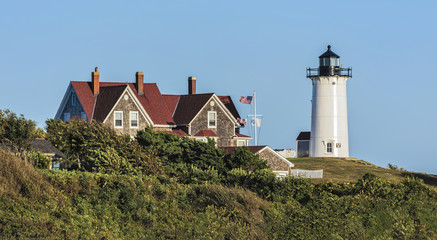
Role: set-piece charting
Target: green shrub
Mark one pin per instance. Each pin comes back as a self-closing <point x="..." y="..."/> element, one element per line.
<point x="39" y="160"/>
<point x="94" y="147"/>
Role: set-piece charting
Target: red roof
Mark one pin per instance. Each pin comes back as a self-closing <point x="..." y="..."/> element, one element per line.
<point x="252" y="149"/>
<point x="242" y="135"/>
<point x="152" y="100"/>
<point x="162" y="109"/>
<point x="206" y="133"/>
<point x="85" y="96"/>
<point x="227" y="101"/>
<point x="179" y="132"/>
<point x="188" y="106"/>
<point x="171" y="100"/>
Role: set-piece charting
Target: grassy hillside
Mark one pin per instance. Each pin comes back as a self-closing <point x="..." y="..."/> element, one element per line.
<point x="350" y="170"/>
<point x="47" y="204"/>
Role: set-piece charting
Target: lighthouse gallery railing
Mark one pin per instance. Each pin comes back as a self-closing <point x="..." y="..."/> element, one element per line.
<point x="339" y="71"/>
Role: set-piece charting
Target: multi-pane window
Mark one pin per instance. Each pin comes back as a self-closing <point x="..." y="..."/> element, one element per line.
<point x="66" y="117"/>
<point x="329" y="147"/>
<point x="118" y="119"/>
<point x="241" y="143"/>
<point x="212" y="119"/>
<point x="133" y="119"/>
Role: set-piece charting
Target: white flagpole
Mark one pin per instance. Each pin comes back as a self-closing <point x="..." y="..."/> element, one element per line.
<point x="255" y="117"/>
<point x="254" y="105"/>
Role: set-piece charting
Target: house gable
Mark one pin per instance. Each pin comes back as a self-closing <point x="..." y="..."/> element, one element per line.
<point x="220" y="105"/>
<point x="274" y="159"/>
<point x="71" y="104"/>
<point x="225" y="123"/>
<point x="127" y="103"/>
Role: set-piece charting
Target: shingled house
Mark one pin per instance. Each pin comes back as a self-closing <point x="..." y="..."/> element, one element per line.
<point x="279" y="165"/>
<point x="129" y="107"/>
<point x="46" y="148"/>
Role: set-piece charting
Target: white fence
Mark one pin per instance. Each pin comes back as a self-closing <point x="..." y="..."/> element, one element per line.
<point x="307" y="173"/>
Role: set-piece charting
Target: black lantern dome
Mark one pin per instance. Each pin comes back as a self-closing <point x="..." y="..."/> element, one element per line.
<point x="329" y="58"/>
<point x="329" y="65"/>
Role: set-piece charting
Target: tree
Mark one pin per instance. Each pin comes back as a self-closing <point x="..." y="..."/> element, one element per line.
<point x="243" y="158"/>
<point x="95" y="147"/>
<point x="174" y="150"/>
<point x="16" y="131"/>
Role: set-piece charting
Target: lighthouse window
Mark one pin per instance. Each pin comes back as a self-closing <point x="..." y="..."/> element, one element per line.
<point x="329" y="147"/>
<point x="334" y="62"/>
<point x="324" y="61"/>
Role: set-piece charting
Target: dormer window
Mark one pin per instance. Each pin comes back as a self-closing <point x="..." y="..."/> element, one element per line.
<point x="212" y="119"/>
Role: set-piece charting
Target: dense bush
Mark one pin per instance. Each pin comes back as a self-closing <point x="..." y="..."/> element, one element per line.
<point x="73" y="204"/>
<point x="39" y="160"/>
<point x="175" y="150"/>
<point x="160" y="186"/>
<point x="94" y="147"/>
<point x="241" y="157"/>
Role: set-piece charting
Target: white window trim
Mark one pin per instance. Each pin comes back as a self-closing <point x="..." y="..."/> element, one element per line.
<point x="115" y="112"/>
<point x="65" y="118"/>
<point x="209" y="126"/>
<point x="130" y="119"/>
<point x="244" y="143"/>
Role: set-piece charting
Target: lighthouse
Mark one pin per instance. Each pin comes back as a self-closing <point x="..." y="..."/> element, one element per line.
<point x="329" y="126"/>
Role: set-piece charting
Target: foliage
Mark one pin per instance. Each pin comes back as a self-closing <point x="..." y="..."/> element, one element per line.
<point x="74" y="204"/>
<point x="39" y="160"/>
<point x="395" y="167"/>
<point x="94" y="147"/>
<point x="241" y="157"/>
<point x="160" y="186"/>
<point x="39" y="133"/>
<point x="175" y="150"/>
<point x="16" y="131"/>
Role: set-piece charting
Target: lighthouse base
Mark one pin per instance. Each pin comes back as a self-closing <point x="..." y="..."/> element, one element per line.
<point x="329" y="147"/>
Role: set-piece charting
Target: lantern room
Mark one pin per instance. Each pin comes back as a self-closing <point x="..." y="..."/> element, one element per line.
<point x="329" y="59"/>
<point x="329" y="65"/>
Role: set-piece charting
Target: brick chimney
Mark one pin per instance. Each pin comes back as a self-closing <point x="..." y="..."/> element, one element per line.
<point x="95" y="82"/>
<point x="191" y="85"/>
<point x="139" y="83"/>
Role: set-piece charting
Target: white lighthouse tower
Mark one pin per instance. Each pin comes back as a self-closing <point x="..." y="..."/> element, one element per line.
<point x="329" y="128"/>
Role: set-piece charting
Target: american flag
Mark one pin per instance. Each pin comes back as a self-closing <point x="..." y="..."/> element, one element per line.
<point x="242" y="121"/>
<point x="246" y="99"/>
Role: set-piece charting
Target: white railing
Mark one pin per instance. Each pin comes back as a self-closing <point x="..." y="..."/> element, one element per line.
<point x="307" y="173"/>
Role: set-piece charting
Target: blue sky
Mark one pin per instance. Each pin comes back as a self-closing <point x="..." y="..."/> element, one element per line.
<point x="233" y="48"/>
